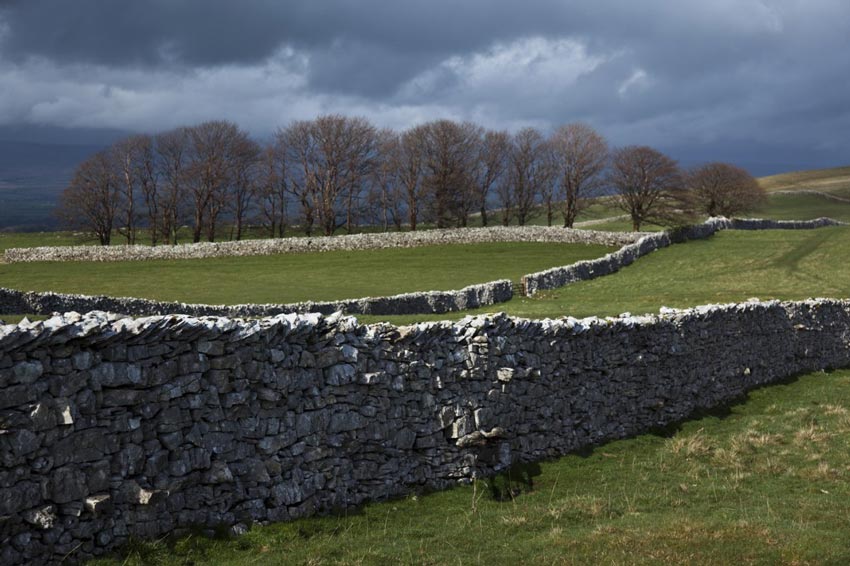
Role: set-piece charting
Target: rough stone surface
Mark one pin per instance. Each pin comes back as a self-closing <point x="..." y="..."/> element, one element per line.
<point x="225" y="422"/>
<point x="13" y="301"/>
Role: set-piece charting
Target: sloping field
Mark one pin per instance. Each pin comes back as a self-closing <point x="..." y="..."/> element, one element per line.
<point x="834" y="181"/>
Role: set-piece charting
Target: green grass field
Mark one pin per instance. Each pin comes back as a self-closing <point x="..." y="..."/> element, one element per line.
<point x="298" y="277"/>
<point x="765" y="482"/>
<point x="730" y="266"/>
<point x="803" y="206"/>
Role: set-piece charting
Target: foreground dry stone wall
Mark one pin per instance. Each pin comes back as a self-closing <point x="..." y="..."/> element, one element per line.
<point x="437" y="302"/>
<point x="113" y="427"/>
<point x="352" y="242"/>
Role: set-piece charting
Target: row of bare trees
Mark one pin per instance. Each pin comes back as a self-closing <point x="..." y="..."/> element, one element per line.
<point x="195" y="174"/>
<point x="337" y="172"/>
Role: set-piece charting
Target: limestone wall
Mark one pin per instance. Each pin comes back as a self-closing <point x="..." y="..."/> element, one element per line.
<point x="353" y="242"/>
<point x="17" y="302"/>
<point x="119" y="427"/>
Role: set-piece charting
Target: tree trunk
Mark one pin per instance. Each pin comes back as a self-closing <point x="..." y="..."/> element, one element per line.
<point x="199" y="224"/>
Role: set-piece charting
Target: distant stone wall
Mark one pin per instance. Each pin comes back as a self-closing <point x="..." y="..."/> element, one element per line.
<point x="437" y="302"/>
<point x="113" y="428"/>
<point x="352" y="242"/>
<point x="763" y="224"/>
<point x="628" y="254"/>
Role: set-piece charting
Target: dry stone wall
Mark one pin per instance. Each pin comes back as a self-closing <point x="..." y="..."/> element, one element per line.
<point x="352" y="242"/>
<point x="13" y="301"/>
<point x="113" y="427"/>
<point x="628" y="254"/>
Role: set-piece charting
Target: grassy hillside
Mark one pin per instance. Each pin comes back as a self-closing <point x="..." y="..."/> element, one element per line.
<point x="298" y="277"/>
<point x="835" y="181"/>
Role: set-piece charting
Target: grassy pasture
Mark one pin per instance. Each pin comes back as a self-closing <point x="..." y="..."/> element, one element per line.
<point x="730" y="266"/>
<point x="298" y="277"/>
<point x="764" y="482"/>
<point x="803" y="206"/>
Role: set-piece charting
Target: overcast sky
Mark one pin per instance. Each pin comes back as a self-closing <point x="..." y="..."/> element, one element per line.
<point x="763" y="83"/>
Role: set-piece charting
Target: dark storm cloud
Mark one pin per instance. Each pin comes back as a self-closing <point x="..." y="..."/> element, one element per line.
<point x="207" y="32"/>
<point x="763" y="76"/>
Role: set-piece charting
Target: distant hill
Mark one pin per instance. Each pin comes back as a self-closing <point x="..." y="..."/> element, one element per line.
<point x="32" y="176"/>
<point x="835" y="181"/>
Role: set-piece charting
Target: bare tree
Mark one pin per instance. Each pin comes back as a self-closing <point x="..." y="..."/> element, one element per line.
<point x="172" y="148"/>
<point x="127" y="156"/>
<point x="335" y="155"/>
<point x="409" y="160"/>
<point x="448" y="152"/>
<point x="581" y="155"/>
<point x="298" y="145"/>
<point x="245" y="155"/>
<point x="92" y="199"/>
<point x="360" y="157"/>
<point x="648" y="184"/>
<point x="489" y="166"/>
<point x="722" y="189"/>
<point x="272" y="189"/>
<point x="505" y="196"/>
<point x="467" y="198"/>
<point x="529" y="172"/>
<point x="214" y="149"/>
<point x="385" y="196"/>
<point x="548" y="188"/>
<point x="148" y="176"/>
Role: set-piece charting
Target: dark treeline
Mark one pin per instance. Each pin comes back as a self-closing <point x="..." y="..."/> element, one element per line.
<point x="337" y="172"/>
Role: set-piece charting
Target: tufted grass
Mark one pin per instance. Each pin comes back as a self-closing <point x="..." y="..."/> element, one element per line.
<point x="761" y="482"/>
<point x="298" y="277"/>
